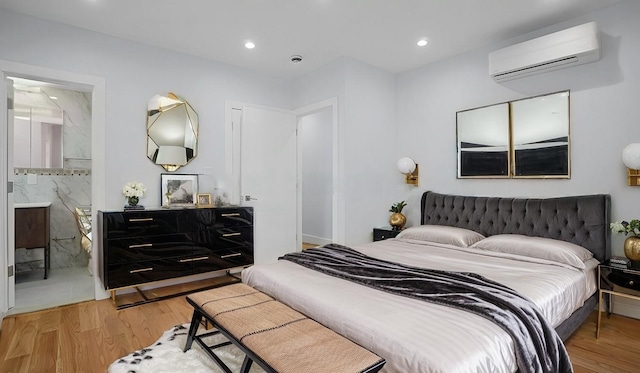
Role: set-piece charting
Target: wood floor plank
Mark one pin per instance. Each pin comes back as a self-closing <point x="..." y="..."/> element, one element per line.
<point x="46" y="346"/>
<point x="90" y="336"/>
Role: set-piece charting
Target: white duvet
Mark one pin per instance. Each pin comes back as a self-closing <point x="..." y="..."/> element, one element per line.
<point x="416" y="336"/>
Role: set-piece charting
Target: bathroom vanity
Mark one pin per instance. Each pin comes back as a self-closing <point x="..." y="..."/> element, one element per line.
<point x="32" y="228"/>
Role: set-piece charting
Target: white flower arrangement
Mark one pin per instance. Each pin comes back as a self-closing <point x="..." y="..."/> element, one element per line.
<point x="134" y="189"/>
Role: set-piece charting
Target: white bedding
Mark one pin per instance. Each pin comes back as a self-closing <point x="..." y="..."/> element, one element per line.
<point x="416" y="336"/>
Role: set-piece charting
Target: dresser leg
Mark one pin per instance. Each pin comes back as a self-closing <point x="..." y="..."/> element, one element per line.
<point x="113" y="297"/>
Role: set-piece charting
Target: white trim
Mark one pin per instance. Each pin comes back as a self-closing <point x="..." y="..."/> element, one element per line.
<point x="337" y="231"/>
<point x="626" y="307"/>
<point x="81" y="82"/>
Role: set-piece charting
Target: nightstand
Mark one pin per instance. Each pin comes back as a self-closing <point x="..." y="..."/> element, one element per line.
<point x="383" y="233"/>
<point x="619" y="281"/>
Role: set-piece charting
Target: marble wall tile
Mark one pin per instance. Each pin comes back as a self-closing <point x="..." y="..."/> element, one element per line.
<point x="66" y="189"/>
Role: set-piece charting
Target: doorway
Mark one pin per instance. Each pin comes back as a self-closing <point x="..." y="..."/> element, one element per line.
<point x="238" y="192"/>
<point x="52" y="168"/>
<point x="73" y="81"/>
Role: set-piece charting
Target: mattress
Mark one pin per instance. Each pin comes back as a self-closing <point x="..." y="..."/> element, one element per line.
<point x="416" y="336"/>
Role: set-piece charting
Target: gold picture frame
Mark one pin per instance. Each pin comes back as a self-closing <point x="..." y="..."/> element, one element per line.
<point x="203" y="200"/>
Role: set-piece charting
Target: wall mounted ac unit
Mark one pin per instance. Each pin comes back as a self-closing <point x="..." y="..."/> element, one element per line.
<point x="567" y="48"/>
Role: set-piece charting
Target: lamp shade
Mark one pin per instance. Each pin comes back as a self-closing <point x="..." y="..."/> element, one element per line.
<point x="631" y="156"/>
<point x="406" y="165"/>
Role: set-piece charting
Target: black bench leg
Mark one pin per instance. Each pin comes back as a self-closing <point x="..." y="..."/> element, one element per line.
<point x="246" y="364"/>
<point x="193" y="329"/>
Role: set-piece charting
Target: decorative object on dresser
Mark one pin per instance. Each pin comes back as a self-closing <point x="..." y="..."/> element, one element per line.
<point x="397" y="220"/>
<point x="631" y="159"/>
<point x="179" y="190"/>
<point x="32" y="229"/>
<point x="383" y="233"/>
<point x="204" y="200"/>
<point x="410" y="169"/>
<point x="144" y="246"/>
<point x="133" y="191"/>
<point x="631" y="243"/>
<point x="614" y="280"/>
<point x="172" y="131"/>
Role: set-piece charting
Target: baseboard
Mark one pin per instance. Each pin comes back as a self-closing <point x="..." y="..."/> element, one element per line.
<point x="2" y="315"/>
<point x="626" y="307"/>
<point x="315" y="240"/>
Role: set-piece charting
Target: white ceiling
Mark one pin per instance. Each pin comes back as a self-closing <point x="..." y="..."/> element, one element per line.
<point x="382" y="33"/>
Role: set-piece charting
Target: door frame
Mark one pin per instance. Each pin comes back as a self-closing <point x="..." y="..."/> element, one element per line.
<point x="97" y="86"/>
<point x="232" y="156"/>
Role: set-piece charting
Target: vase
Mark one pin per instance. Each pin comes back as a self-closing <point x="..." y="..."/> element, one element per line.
<point x="133" y="201"/>
<point x="397" y="220"/>
<point x="632" y="248"/>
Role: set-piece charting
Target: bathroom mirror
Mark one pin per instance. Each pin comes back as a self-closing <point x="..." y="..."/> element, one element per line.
<point x="37" y="136"/>
<point x="527" y="138"/>
<point x="483" y="141"/>
<point x="172" y="131"/>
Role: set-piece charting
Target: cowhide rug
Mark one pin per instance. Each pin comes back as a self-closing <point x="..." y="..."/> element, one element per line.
<point x="166" y="356"/>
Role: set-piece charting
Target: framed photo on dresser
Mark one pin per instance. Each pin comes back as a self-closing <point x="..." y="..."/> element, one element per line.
<point x="179" y="190"/>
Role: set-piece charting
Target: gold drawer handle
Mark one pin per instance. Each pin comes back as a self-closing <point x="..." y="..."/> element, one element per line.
<point x="140" y="219"/>
<point x="141" y="270"/>
<point x="141" y="245"/>
<point x="230" y="255"/>
<point x="232" y="214"/>
<point x="194" y="259"/>
<point x="231" y="234"/>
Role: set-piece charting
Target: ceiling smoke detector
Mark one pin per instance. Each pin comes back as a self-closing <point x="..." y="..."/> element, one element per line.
<point x="296" y="59"/>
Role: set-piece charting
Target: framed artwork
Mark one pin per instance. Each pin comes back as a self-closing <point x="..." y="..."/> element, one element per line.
<point x="204" y="200"/>
<point x="179" y="190"/>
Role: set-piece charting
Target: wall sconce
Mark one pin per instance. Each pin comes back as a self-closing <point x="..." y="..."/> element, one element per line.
<point x="410" y="168"/>
<point x="631" y="159"/>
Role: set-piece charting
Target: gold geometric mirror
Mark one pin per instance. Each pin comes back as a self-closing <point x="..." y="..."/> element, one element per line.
<point x="172" y="131"/>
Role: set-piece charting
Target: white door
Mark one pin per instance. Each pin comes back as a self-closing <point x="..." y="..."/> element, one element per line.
<point x="7" y="214"/>
<point x="268" y="178"/>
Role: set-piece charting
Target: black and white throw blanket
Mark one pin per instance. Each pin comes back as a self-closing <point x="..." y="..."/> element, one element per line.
<point x="538" y="347"/>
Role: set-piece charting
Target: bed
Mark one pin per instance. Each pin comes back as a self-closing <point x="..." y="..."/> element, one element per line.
<point x="550" y="266"/>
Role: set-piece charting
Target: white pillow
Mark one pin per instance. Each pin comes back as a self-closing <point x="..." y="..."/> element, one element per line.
<point x="537" y="247"/>
<point x="442" y="234"/>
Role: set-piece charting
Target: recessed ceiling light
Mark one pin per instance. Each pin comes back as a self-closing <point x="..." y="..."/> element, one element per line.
<point x="422" y="42"/>
<point x="249" y="45"/>
<point x="53" y="97"/>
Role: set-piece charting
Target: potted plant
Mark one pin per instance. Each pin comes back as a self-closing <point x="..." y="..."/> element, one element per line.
<point x="397" y="220"/>
<point x="631" y="243"/>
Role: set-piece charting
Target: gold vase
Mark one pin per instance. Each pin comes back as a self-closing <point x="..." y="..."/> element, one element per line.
<point x="397" y="220"/>
<point x="632" y="248"/>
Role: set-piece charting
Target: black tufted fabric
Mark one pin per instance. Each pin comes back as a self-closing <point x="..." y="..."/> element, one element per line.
<point x="583" y="220"/>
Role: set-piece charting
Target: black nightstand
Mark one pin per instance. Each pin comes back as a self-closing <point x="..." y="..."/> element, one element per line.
<point x="383" y="233"/>
<point x="616" y="280"/>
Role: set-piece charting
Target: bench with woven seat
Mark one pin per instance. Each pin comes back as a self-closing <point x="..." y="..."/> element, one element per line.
<point x="275" y="336"/>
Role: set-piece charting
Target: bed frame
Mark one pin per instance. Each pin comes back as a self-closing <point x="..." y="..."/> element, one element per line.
<point x="583" y="220"/>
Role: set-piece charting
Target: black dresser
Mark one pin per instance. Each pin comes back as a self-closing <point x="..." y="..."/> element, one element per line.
<point x="144" y="246"/>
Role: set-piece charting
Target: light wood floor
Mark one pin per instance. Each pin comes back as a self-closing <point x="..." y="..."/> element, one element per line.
<point x="87" y="337"/>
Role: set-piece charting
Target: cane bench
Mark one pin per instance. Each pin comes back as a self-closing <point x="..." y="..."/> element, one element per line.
<point x="275" y="336"/>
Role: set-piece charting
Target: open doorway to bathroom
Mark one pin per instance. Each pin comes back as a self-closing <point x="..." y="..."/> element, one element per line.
<point x="52" y="169"/>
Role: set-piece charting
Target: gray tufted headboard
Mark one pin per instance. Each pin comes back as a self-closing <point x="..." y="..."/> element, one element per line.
<point x="583" y="220"/>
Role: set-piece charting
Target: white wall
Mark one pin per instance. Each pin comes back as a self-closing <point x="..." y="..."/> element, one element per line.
<point x="604" y="118"/>
<point x="315" y="133"/>
<point x="366" y="114"/>
<point x="134" y="73"/>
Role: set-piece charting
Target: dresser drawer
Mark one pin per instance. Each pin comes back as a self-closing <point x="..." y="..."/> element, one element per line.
<point x="227" y="217"/>
<point x="237" y="257"/>
<point x="224" y="238"/>
<point x="144" y="223"/>
<point x="137" y="249"/>
<point x="128" y="274"/>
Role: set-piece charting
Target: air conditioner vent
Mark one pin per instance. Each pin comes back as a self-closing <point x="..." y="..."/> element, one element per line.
<point x="571" y="47"/>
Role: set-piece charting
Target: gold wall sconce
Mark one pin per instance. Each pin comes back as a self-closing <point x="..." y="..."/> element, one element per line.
<point x="410" y="169"/>
<point x="631" y="159"/>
